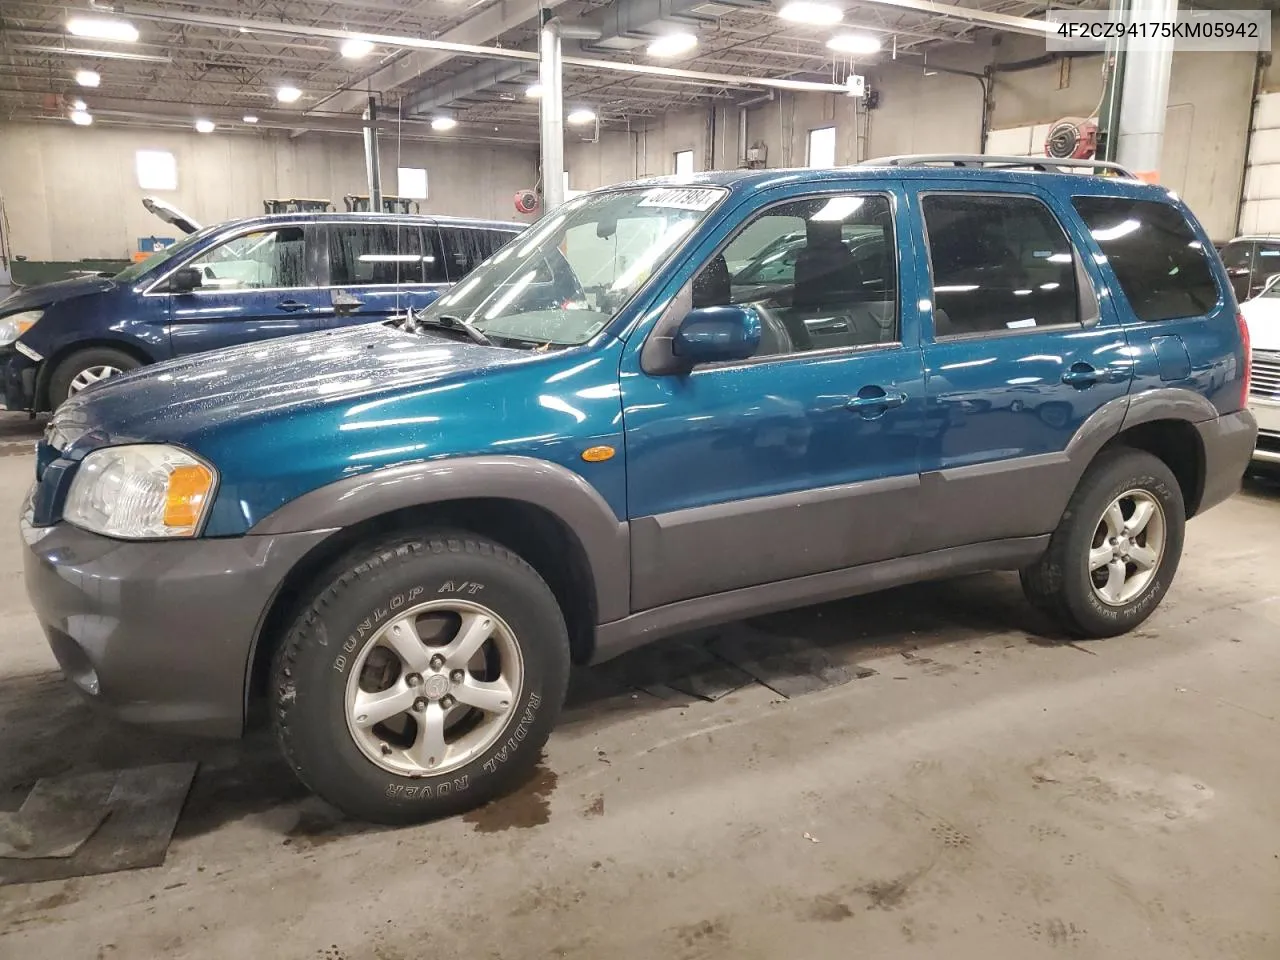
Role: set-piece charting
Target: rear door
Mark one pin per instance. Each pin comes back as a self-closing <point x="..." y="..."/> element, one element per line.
<point x="1018" y="353"/>
<point x="390" y="267"/>
<point x="254" y="285"/>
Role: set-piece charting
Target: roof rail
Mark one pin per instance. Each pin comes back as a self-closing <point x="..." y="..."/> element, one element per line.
<point x="1040" y="164"/>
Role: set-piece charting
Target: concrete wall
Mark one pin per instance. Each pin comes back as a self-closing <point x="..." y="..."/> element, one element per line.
<point x="72" y="193"/>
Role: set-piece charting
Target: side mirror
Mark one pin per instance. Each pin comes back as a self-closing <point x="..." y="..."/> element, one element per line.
<point x="344" y="304"/>
<point x="717" y="334"/>
<point x="185" y="279"/>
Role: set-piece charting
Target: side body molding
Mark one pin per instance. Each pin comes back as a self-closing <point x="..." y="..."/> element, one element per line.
<point x="560" y="492"/>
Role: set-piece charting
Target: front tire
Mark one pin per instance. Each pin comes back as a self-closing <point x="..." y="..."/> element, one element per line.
<point x="1115" y="552"/>
<point x="84" y="368"/>
<point x="423" y="680"/>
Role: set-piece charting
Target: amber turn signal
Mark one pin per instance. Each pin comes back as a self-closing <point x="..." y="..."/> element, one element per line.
<point x="598" y="454"/>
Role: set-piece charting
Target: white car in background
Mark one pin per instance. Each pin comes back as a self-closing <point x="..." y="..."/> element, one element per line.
<point x="1262" y="315"/>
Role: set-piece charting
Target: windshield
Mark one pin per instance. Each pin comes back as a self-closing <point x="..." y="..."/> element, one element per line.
<point x="160" y="258"/>
<point x="563" y="281"/>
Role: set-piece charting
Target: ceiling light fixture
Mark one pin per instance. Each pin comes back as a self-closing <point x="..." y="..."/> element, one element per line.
<point x="81" y="118"/>
<point x="672" y="44"/>
<point x="581" y="115"/>
<point x="287" y="94"/>
<point x="250" y="118"/>
<point x="443" y="123"/>
<point x="355" y="49"/>
<point x="98" y="28"/>
<point x="78" y="105"/>
<point x="88" y="78"/>
<point x="854" y="43"/>
<point x="533" y="91"/>
<point x="807" y="11"/>
<point x="205" y="126"/>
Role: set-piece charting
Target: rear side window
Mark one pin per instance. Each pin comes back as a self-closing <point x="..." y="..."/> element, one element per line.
<point x="380" y="254"/>
<point x="1161" y="266"/>
<point x="467" y="247"/>
<point x="999" y="263"/>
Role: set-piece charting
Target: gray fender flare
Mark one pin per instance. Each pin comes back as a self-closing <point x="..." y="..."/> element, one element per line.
<point x="560" y="492"/>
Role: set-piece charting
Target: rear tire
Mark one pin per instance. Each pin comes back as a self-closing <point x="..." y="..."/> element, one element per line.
<point x="1115" y="552"/>
<point x="423" y="680"/>
<point x="85" y="368"/>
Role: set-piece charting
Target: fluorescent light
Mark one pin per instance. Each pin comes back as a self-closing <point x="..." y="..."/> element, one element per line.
<point x="81" y="118"/>
<point x="1121" y="229"/>
<point x="443" y="123"/>
<point x="287" y="94"/>
<point x="837" y="208"/>
<point x="87" y="78"/>
<point x="581" y="115"/>
<point x="672" y="44"/>
<point x="99" y="28"/>
<point x="533" y="91"/>
<point x="205" y="126"/>
<point x="79" y="105"/>
<point x="858" y="43"/>
<point x="250" y="118"/>
<point x="807" y="11"/>
<point x="354" y="49"/>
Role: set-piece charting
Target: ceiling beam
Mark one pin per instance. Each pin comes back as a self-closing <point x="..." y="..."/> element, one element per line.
<point x="951" y="11"/>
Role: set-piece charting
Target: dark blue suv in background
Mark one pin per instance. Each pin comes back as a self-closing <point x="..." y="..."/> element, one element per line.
<point x="632" y="422"/>
<point x="228" y="284"/>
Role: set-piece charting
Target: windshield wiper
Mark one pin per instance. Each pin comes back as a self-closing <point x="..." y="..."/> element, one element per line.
<point x="446" y="321"/>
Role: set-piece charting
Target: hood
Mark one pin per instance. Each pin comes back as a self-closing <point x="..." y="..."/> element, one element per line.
<point x="284" y="378"/>
<point x="47" y="294"/>
<point x="1262" y="314"/>
<point x="170" y="214"/>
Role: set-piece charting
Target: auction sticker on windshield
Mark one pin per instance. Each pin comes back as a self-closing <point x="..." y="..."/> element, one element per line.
<point x="681" y="198"/>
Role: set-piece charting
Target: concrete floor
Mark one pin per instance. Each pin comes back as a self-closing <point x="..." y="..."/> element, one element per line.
<point x="987" y="793"/>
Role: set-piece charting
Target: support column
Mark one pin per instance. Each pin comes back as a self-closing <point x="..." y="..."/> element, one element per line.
<point x="372" y="163"/>
<point x="551" y="115"/>
<point x="1145" y="94"/>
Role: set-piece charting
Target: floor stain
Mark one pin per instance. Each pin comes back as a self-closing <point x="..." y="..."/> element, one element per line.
<point x="528" y="806"/>
<point x="888" y="894"/>
<point x="829" y="909"/>
<point x="595" y="808"/>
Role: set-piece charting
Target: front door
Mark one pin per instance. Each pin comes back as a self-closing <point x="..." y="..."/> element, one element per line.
<point x="253" y="286"/>
<point x="1019" y="352"/>
<point x="388" y="268"/>
<point x="802" y="459"/>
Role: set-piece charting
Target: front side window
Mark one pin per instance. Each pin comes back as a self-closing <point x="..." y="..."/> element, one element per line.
<point x="563" y="280"/>
<point x="999" y="263"/>
<point x="264" y="259"/>
<point x="821" y="272"/>
<point x="1161" y="266"/>
<point x="380" y="254"/>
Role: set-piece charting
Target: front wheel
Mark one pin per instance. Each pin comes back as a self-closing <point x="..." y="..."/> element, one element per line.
<point x="84" y="368"/>
<point x="1116" y="549"/>
<point x="423" y="680"/>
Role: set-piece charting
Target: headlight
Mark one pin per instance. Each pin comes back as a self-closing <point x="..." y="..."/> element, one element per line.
<point x="16" y="324"/>
<point x="142" y="491"/>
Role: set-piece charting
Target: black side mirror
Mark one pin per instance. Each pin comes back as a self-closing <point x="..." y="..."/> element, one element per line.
<point x="344" y="304"/>
<point x="185" y="279"/>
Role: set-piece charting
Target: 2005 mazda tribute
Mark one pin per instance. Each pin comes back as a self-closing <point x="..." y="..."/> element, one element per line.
<point x="668" y="404"/>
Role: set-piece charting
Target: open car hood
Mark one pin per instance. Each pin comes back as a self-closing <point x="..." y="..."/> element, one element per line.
<point x="170" y="214"/>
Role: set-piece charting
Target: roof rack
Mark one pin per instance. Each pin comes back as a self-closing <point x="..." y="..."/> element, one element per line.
<point x="1040" y="164"/>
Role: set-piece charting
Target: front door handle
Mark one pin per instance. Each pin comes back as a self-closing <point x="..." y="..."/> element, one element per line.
<point x="873" y="401"/>
<point x="291" y="306"/>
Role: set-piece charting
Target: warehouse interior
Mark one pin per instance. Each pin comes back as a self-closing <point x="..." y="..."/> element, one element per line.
<point x="932" y="769"/>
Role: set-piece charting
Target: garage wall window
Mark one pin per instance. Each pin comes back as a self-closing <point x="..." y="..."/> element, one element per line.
<point x="157" y="170"/>
<point x="822" y="147"/>
<point x="684" y="162"/>
<point x="411" y="182"/>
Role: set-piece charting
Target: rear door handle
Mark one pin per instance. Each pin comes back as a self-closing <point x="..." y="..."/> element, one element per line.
<point x="291" y="306"/>
<point x="1086" y="375"/>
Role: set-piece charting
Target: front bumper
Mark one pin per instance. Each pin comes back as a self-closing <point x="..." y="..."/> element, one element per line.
<point x="158" y="632"/>
<point x="1267" y="413"/>
<point x="17" y="379"/>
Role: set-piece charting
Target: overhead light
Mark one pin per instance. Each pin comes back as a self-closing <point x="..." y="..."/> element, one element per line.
<point x="87" y="78"/>
<point x="581" y="115"/>
<point x="533" y="91"/>
<point x="81" y="118"/>
<point x="205" y="126"/>
<point x="250" y="118"/>
<point x="672" y="44"/>
<point x="100" y="28"/>
<point x="443" y="123"/>
<point x="287" y="94"/>
<point x="858" y="43"/>
<point x="354" y="49"/>
<point x="807" y="11"/>
<point x="78" y="105"/>
<point x="837" y="208"/>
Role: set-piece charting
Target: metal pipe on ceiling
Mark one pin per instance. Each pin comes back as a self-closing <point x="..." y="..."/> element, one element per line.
<point x="986" y="18"/>
<point x="94" y="54"/>
<point x="551" y="115"/>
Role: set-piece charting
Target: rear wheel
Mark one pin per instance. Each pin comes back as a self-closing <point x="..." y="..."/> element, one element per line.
<point x="423" y="680"/>
<point x="1116" y="549"/>
<point x="84" y="368"/>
